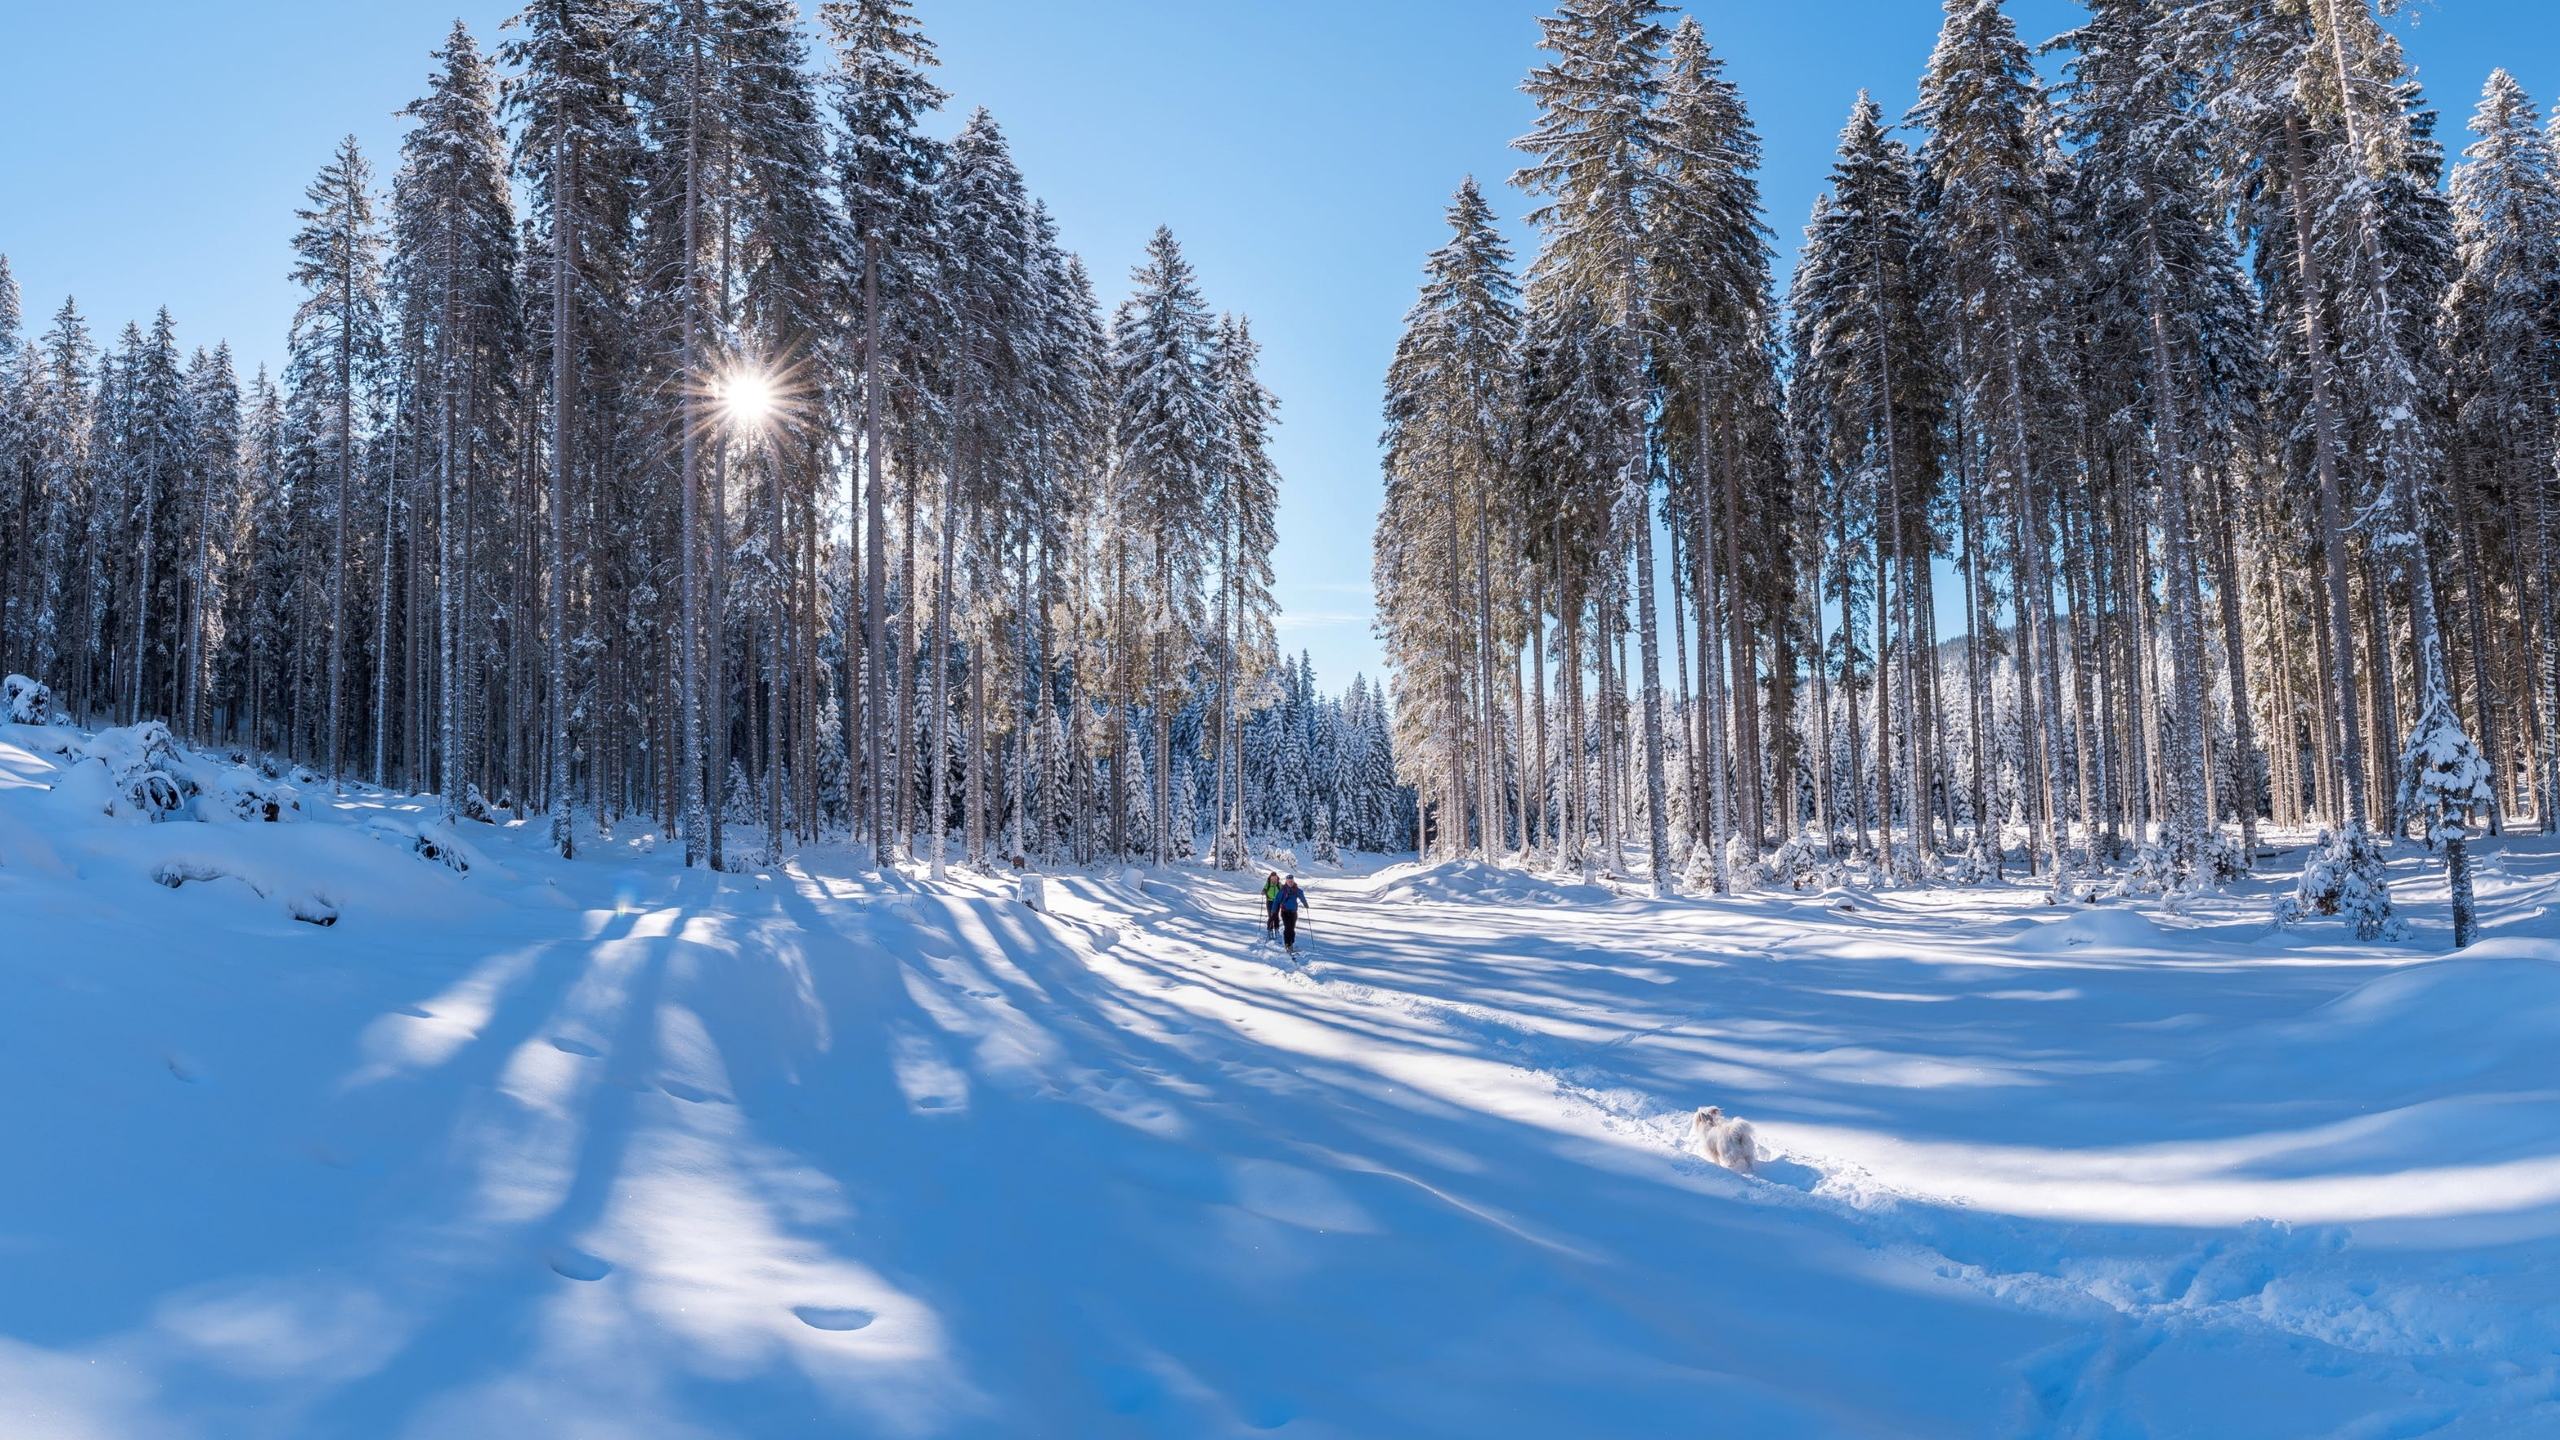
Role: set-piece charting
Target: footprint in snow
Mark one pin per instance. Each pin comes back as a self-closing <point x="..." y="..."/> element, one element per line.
<point x="579" y="1265"/>
<point x="693" y="1093"/>
<point x="829" y="1317"/>
<point x="567" y="1046"/>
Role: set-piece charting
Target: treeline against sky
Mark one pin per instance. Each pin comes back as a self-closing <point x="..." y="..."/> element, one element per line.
<point x="775" y="467"/>
<point x="2232" y="423"/>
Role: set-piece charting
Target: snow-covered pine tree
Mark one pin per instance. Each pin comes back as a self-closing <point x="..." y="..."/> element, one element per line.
<point x="1453" y="499"/>
<point x="1864" y="406"/>
<point x="2501" y="333"/>
<point x="2442" y="779"/>
<point x="1990" y="212"/>
<point x="1247" y="501"/>
<point x="885" y="169"/>
<point x="2154" y="263"/>
<point x="1596" y="147"/>
<point x="18" y="556"/>
<point x="986" y="284"/>
<point x="570" y="93"/>
<point x="213" y="487"/>
<point x="453" y="263"/>
<point x="1709" y="257"/>
<point x="155" y="443"/>
<point x="1166" y="424"/>
<point x="338" y="343"/>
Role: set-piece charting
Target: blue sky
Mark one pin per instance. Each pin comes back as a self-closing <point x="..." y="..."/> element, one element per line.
<point x="1300" y="149"/>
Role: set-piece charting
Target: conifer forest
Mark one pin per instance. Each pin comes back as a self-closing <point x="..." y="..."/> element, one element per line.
<point x="2166" y="347"/>
<point x="674" y="429"/>
<point x="687" y="795"/>
<point x="771" y="450"/>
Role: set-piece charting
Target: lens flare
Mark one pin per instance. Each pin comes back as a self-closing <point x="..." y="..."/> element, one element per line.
<point x="749" y="398"/>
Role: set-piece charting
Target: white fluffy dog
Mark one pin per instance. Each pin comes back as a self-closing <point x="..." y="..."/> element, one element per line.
<point x="1725" y="1139"/>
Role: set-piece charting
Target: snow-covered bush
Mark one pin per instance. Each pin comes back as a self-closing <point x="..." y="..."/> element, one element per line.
<point x="2343" y="875"/>
<point x="1796" y="862"/>
<point x="1699" y="878"/>
<point x="2154" y="872"/>
<point x="1742" y="868"/>
<point x="2222" y="859"/>
<point x="146" y="775"/>
<point x="1804" y="865"/>
<point x="1969" y="866"/>
<point x="429" y="840"/>
<point x="438" y="844"/>
<point x="182" y="872"/>
<point x="253" y="794"/>
<point x="24" y="702"/>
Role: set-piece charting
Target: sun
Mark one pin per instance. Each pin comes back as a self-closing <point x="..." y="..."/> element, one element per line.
<point x="749" y="398"/>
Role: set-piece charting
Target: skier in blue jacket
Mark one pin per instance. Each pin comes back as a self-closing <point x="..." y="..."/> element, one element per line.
<point x="1292" y="900"/>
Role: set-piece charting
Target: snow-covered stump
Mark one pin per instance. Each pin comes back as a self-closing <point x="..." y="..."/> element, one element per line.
<point x="1032" y="891"/>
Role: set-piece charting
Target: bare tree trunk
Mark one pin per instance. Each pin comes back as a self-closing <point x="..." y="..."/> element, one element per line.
<point x="716" y="643"/>
<point x="2188" y="817"/>
<point x="1686" y="709"/>
<point x="877" y="711"/>
<point x="1575" y="798"/>
<point x="382" y="601"/>
<point x="938" y="748"/>
<point x="906" y="679"/>
<point x="1825" y="775"/>
<point x="200" y="586"/>
<point x="694" y="783"/>
<point x="1743" y="690"/>
<point x="1533" y="779"/>
<point x="563" y="227"/>
<point x="1489" y="807"/>
<point x="2324" y="431"/>
<point x="2244" y="736"/>
<point x="1986" y="829"/>
<point x="1711" y="657"/>
<point x="1649" y="651"/>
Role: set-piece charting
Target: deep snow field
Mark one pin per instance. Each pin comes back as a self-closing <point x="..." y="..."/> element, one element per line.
<point x="604" y="1149"/>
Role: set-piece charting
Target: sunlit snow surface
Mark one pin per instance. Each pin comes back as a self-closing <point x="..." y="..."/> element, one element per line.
<point x="603" y="1149"/>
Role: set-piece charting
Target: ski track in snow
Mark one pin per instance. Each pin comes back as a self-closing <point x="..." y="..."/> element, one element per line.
<point x="606" y="1148"/>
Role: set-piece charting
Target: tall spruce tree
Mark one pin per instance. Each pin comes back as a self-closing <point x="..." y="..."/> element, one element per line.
<point x="339" y="343"/>
<point x="1596" y="140"/>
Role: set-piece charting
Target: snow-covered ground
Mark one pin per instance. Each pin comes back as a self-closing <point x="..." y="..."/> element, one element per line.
<point x="602" y="1148"/>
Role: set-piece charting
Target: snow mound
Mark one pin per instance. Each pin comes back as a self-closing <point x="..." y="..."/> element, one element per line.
<point x="1475" y="882"/>
<point x="2497" y="994"/>
<point x="2102" y="928"/>
<point x="140" y="772"/>
<point x="426" y="839"/>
